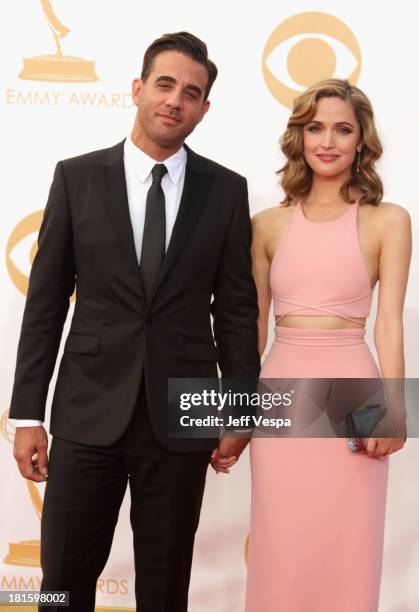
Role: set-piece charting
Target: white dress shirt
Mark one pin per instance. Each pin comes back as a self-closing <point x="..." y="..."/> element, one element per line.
<point x="138" y="166"/>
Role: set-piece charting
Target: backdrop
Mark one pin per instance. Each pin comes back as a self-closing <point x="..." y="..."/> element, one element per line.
<point x="66" y="76"/>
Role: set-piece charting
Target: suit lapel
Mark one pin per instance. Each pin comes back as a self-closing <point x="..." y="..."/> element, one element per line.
<point x="195" y="193"/>
<point x="116" y="199"/>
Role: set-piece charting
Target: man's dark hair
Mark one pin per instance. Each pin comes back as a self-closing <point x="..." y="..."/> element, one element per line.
<point x="185" y="43"/>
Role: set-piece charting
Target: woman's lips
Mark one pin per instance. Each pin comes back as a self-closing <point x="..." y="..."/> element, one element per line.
<point x="328" y="158"/>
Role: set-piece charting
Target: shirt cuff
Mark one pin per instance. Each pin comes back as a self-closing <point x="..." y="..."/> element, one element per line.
<point x="26" y="422"/>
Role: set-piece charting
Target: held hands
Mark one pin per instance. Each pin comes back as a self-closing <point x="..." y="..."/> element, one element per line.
<point x="31" y="452"/>
<point x="226" y="455"/>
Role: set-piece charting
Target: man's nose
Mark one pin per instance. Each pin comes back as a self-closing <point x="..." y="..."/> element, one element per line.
<point x="174" y="99"/>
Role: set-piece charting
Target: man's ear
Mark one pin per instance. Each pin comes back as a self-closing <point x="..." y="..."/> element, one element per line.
<point x="205" y="106"/>
<point x="137" y="86"/>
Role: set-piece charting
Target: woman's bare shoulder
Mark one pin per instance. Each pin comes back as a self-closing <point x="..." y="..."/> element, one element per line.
<point x="386" y="213"/>
<point x="266" y="218"/>
<point x="386" y="220"/>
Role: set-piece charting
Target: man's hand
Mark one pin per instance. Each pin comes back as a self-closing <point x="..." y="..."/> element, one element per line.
<point x="31" y="452"/>
<point x="226" y="455"/>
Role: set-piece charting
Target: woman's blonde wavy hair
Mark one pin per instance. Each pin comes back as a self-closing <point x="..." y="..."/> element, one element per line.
<point x="296" y="174"/>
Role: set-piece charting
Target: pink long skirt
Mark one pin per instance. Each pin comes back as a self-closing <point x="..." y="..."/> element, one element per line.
<point x="317" y="509"/>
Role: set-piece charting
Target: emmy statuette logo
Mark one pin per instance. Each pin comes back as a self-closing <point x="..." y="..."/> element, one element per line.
<point x="58" y="67"/>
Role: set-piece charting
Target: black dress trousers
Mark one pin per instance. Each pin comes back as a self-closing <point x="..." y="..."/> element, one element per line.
<point x="85" y="489"/>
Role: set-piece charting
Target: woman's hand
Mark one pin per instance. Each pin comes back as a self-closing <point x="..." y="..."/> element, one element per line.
<point x="379" y="447"/>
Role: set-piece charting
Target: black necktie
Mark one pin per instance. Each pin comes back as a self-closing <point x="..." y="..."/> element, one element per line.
<point x="154" y="236"/>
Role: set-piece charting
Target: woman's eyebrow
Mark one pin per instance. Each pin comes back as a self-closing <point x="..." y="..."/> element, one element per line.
<point x="337" y="123"/>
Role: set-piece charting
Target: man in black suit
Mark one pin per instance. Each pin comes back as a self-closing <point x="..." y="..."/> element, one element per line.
<point x="155" y="239"/>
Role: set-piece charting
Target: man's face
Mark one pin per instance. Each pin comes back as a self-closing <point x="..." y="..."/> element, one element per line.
<point x="171" y="101"/>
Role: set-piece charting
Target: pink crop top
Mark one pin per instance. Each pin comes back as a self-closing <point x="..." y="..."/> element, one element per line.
<point x="318" y="269"/>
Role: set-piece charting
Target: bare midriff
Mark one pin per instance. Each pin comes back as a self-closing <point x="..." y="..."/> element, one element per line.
<point x="318" y="322"/>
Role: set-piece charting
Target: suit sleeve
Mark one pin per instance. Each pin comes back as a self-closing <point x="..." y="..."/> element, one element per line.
<point x="235" y="308"/>
<point x="51" y="284"/>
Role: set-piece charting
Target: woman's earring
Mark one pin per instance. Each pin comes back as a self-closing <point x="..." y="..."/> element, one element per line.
<point x="357" y="163"/>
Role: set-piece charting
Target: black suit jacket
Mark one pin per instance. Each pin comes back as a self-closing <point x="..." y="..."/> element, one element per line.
<point x="86" y="242"/>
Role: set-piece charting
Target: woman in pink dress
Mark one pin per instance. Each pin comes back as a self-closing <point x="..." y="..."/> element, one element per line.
<point x="317" y="513"/>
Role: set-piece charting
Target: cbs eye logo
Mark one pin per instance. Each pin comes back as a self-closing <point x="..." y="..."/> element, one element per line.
<point x="23" y="245"/>
<point x="307" y="48"/>
<point x="21" y="250"/>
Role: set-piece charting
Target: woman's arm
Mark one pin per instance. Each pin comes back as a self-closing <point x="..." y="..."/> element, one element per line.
<point x="394" y="261"/>
<point x="260" y="269"/>
<point x="393" y="270"/>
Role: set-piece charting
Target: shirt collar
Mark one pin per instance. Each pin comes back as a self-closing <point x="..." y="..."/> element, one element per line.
<point x="141" y="164"/>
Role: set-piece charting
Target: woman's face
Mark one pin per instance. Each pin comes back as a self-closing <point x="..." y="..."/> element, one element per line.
<point x="332" y="138"/>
